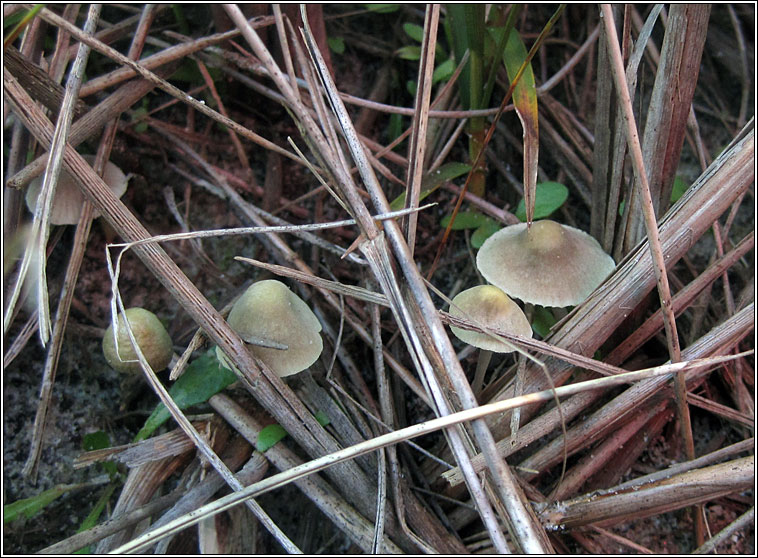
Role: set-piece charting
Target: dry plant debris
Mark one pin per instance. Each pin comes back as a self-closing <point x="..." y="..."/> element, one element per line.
<point x="265" y="142"/>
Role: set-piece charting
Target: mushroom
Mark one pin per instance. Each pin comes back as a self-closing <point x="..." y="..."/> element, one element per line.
<point x="269" y="311"/>
<point x="152" y="338"/>
<point x="69" y="199"/>
<point x="488" y="306"/>
<point x="547" y="264"/>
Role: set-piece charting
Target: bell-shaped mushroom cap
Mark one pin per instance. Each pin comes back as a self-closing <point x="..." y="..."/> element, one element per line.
<point x="69" y="199"/>
<point x="548" y="264"/>
<point x="490" y="307"/>
<point x="153" y="339"/>
<point x="269" y="310"/>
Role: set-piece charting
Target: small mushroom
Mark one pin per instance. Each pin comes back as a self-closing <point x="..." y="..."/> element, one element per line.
<point x="69" y="199"/>
<point x="490" y="307"/>
<point x="269" y="311"/>
<point x="152" y="338"/>
<point x="547" y="264"/>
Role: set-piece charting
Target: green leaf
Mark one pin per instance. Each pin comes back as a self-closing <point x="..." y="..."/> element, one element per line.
<point x="272" y="433"/>
<point x="95" y="441"/>
<point x="542" y="321"/>
<point x="411" y="86"/>
<point x="14" y="18"/>
<point x="91" y="520"/>
<point x="483" y="233"/>
<point x="395" y="127"/>
<point x="525" y="101"/>
<point x="269" y="436"/>
<point x="409" y="52"/>
<point x="137" y="116"/>
<point x="444" y="173"/>
<point x="99" y="440"/>
<point x="680" y="187"/>
<point x="322" y="418"/>
<point x="415" y="32"/>
<point x="468" y="30"/>
<point x="181" y="19"/>
<point x="434" y="180"/>
<point x="20" y="24"/>
<point x="204" y="377"/>
<point x="550" y="196"/>
<point x="188" y="72"/>
<point x="336" y="44"/>
<point x="29" y="507"/>
<point x="382" y="8"/>
<point x="465" y="220"/>
<point x="444" y="71"/>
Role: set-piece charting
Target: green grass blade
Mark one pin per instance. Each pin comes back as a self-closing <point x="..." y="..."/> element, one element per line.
<point x="29" y="507"/>
<point x="525" y="101"/>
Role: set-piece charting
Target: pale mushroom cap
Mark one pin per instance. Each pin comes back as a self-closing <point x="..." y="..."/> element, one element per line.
<point x="68" y="196"/>
<point x="270" y="310"/>
<point x="153" y="339"/>
<point x="550" y="264"/>
<point x="490" y="307"/>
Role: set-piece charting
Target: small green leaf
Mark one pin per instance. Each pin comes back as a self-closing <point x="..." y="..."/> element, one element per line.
<point x="542" y="321"/>
<point x="91" y="520"/>
<point x="272" y="433"/>
<point x="13" y="19"/>
<point x="409" y="52"/>
<point x="99" y="440"/>
<point x="29" y="507"/>
<point x="269" y="436"/>
<point x="550" y="196"/>
<point x="138" y="116"/>
<point x="204" y="377"/>
<point x="336" y="44"/>
<point x="465" y="220"/>
<point x="483" y="233"/>
<point x="322" y="418"/>
<point x="95" y="441"/>
<point x="434" y="180"/>
<point x="446" y="172"/>
<point x="680" y="187"/>
<point x="444" y="71"/>
<point x="21" y="24"/>
<point x="415" y="32"/>
<point x="395" y="127"/>
<point x="181" y="19"/>
<point x="411" y="86"/>
<point x="382" y="8"/>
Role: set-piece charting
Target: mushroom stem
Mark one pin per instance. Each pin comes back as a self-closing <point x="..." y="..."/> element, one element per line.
<point x="482" y="364"/>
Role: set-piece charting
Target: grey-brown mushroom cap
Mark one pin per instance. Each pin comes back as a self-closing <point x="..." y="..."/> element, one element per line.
<point x="490" y="307"/>
<point x="270" y="310"/>
<point x="69" y="198"/>
<point x="550" y="264"/>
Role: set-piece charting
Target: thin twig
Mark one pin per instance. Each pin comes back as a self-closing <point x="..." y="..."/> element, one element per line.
<point x="651" y="225"/>
<point x="417" y="147"/>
